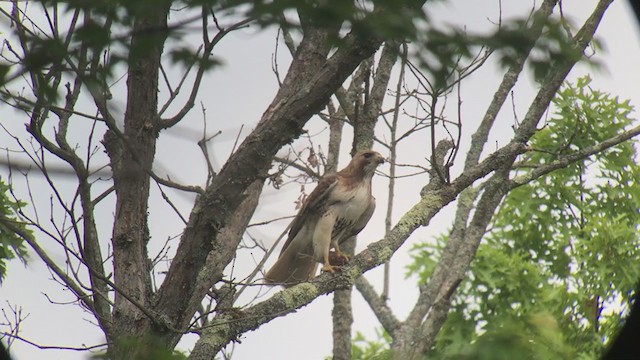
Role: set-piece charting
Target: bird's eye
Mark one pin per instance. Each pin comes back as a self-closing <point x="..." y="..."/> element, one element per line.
<point x="368" y="155"/>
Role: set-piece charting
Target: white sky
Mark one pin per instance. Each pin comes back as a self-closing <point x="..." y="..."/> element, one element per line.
<point x="235" y="96"/>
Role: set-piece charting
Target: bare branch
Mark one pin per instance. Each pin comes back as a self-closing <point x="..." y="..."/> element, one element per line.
<point x="393" y="127"/>
<point x="167" y="123"/>
<point x="55" y="347"/>
<point x="308" y="171"/>
<point x="51" y="264"/>
<point x="378" y="304"/>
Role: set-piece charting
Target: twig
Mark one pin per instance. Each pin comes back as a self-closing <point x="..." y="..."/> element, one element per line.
<point x="235" y="143"/>
<point x="175" y="209"/>
<point x="564" y="161"/>
<point x="260" y="265"/>
<point x="56" y="347"/>
<point x="271" y="221"/>
<point x="312" y="174"/>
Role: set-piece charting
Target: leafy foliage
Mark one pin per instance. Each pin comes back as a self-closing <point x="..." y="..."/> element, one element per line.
<point x="440" y="48"/>
<point x="11" y="245"/>
<point x="556" y="273"/>
<point x="371" y="350"/>
<point x="534" y="337"/>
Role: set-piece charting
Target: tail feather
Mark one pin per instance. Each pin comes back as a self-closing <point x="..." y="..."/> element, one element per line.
<point x="291" y="268"/>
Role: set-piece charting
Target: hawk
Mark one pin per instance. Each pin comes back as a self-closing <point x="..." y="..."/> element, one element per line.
<point x="337" y="209"/>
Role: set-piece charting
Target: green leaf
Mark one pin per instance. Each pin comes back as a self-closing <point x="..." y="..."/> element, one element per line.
<point x="555" y="273"/>
<point x="11" y="244"/>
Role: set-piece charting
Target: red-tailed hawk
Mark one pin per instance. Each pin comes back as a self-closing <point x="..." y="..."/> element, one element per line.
<point x="337" y="209"/>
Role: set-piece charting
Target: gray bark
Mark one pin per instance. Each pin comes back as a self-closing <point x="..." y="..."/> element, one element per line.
<point x="131" y="156"/>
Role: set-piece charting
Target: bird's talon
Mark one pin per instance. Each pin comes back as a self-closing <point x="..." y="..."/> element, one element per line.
<point x="329" y="268"/>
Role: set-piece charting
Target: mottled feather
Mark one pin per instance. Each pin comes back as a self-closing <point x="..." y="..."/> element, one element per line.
<point x="338" y="208"/>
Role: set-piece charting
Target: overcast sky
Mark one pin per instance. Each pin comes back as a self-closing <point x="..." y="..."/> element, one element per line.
<point x="235" y="96"/>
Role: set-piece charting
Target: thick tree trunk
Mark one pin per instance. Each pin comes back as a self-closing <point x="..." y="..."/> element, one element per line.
<point x="283" y="121"/>
<point x="131" y="155"/>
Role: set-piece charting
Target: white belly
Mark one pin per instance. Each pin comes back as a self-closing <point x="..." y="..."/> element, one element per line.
<point x="352" y="204"/>
<point x="337" y="224"/>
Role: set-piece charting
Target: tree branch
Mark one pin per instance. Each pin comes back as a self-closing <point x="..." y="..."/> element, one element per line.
<point x="167" y="123"/>
<point x="378" y="305"/>
<point x="479" y="138"/>
<point x="227" y="327"/>
<point x="566" y="160"/>
<point x="405" y="344"/>
<point x="77" y="291"/>
<point x="307" y="87"/>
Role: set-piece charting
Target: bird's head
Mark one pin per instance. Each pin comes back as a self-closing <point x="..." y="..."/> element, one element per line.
<point x="366" y="162"/>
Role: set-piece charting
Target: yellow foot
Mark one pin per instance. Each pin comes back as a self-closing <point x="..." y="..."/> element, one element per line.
<point x="329" y="268"/>
<point x="343" y="255"/>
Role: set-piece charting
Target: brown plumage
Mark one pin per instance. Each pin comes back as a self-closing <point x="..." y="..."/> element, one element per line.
<point x="337" y="209"/>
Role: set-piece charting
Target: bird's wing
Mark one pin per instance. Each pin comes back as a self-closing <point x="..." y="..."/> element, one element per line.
<point x="310" y="211"/>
